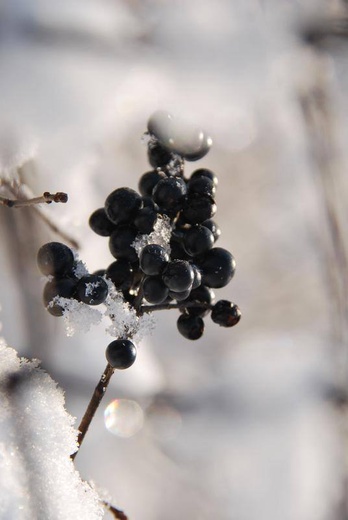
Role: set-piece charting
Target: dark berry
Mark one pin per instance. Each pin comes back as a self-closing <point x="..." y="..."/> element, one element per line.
<point x="145" y="220"/>
<point x="159" y="156"/>
<point x="58" y="287"/>
<point x="191" y="327"/>
<point x="91" y="289"/>
<point x="225" y="313"/>
<point x="153" y="259"/>
<point x="197" y="240"/>
<point x="213" y="227"/>
<point x="178" y="275"/>
<point x="180" y="296"/>
<point x="122" y="205"/>
<point x="121" y="353"/>
<point x="177" y="251"/>
<point x="121" y="274"/>
<point x="120" y="243"/>
<point x="169" y="193"/>
<point x="204" y="172"/>
<point x="218" y="267"/>
<point x="198" y="208"/>
<point x="148" y="181"/>
<point x="100" y="224"/>
<point x="201" y="295"/>
<point x="154" y="290"/>
<point x="55" y="259"/>
<point x="99" y="272"/>
<point x="201" y="185"/>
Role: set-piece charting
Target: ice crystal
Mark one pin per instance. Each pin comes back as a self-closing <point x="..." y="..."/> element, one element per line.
<point x="78" y="316"/>
<point x="160" y="235"/>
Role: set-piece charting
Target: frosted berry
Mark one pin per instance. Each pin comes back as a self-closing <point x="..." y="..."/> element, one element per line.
<point x="121" y="353"/>
<point x="60" y="287"/>
<point x="55" y="259"/>
<point x="91" y="289"/>
<point x="225" y="313"/>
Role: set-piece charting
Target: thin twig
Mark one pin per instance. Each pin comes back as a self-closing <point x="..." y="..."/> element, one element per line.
<point x="116" y="512"/>
<point x="169" y="306"/>
<point x="97" y="396"/>
<point x="46" y="198"/>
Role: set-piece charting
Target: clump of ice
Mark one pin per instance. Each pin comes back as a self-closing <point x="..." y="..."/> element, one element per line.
<point x="124" y="320"/>
<point x="78" y="316"/>
<point x="37" y="437"/>
<point x="160" y="235"/>
<point x="80" y="268"/>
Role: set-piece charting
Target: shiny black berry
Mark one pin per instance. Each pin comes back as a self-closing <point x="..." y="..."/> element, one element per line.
<point x="201" y="185"/>
<point x="153" y="259"/>
<point x="154" y="290"/>
<point x="122" y="205"/>
<point x="217" y="266"/>
<point x="121" y="273"/>
<point x="91" y="289"/>
<point x="55" y="259"/>
<point x="225" y="313"/>
<point x="148" y="181"/>
<point x="100" y="223"/>
<point x="198" y="208"/>
<point x="213" y="227"/>
<point x="199" y="301"/>
<point x="178" y="275"/>
<point x="191" y="327"/>
<point x="170" y="193"/>
<point x="120" y="243"/>
<point x="197" y="240"/>
<point x="121" y="353"/>
<point x="204" y="172"/>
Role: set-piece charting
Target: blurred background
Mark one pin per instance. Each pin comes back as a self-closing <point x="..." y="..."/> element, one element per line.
<point x="246" y="423"/>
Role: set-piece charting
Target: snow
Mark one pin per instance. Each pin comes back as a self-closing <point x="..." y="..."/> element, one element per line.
<point x="160" y="235"/>
<point x="37" y="437"/>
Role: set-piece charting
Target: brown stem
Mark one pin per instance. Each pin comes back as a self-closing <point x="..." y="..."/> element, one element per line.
<point x="116" y="512"/>
<point x="45" y="198"/>
<point x="169" y="306"/>
<point x="97" y="396"/>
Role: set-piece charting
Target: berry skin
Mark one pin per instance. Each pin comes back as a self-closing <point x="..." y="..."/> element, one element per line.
<point x="201" y="151"/>
<point x="170" y="193"/>
<point x="159" y="156"/>
<point x="148" y="181"/>
<point x="153" y="259"/>
<point x="197" y="280"/>
<point x="202" y="185"/>
<point x="145" y="220"/>
<point x="213" y="227"/>
<point x="120" y="243"/>
<point x="198" y="208"/>
<point x="204" y="172"/>
<point x="154" y="290"/>
<point x="217" y="266"/>
<point x="121" y="273"/>
<point x="55" y="259"/>
<point x="91" y="289"/>
<point x="180" y="296"/>
<point x="178" y="276"/>
<point x="197" y="240"/>
<point x="121" y="353"/>
<point x="191" y="327"/>
<point x="63" y="287"/>
<point x="225" y="313"/>
<point x="122" y="205"/>
<point x="201" y="295"/>
<point x="100" y="224"/>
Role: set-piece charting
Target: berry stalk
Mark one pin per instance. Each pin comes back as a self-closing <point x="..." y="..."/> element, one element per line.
<point x="95" y="401"/>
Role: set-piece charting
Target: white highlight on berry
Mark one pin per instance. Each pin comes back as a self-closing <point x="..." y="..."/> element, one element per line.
<point x="124" y="417"/>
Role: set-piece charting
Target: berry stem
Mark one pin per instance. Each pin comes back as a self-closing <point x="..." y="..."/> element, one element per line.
<point x="97" y="396"/>
<point x="45" y="198"/>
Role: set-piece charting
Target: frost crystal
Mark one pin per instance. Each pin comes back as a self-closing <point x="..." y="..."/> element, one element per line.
<point x="80" y="268"/>
<point x="37" y="477"/>
<point x="78" y="316"/>
<point x="160" y="235"/>
<point x="125" y="322"/>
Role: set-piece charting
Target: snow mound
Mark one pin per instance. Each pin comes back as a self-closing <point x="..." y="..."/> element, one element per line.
<point x="37" y="477"/>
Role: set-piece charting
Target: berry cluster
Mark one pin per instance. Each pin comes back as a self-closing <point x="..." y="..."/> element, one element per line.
<point x="57" y="261"/>
<point x="163" y="241"/>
